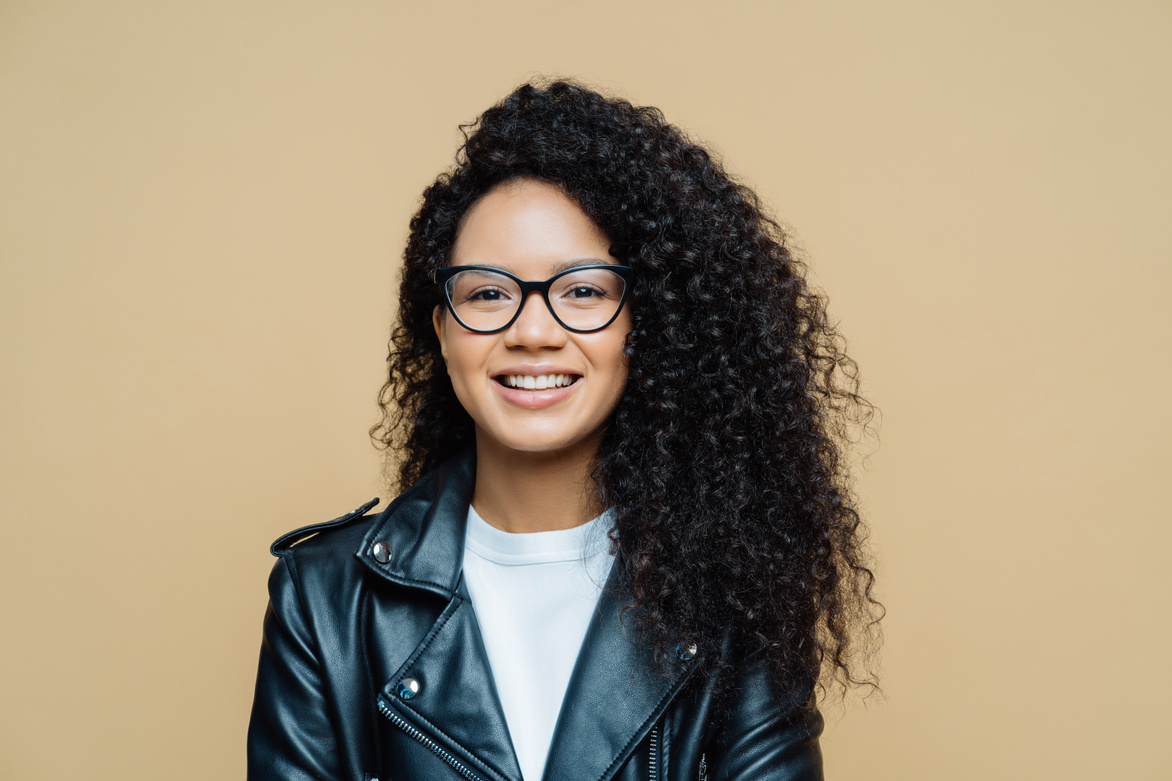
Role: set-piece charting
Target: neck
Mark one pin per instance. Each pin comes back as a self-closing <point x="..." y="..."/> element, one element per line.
<point x="533" y="492"/>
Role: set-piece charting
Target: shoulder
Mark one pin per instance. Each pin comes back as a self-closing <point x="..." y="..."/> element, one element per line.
<point x="317" y="561"/>
<point x="346" y="532"/>
<point x="331" y="548"/>
<point x="341" y="557"/>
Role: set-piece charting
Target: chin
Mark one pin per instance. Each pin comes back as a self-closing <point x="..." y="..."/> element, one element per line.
<point x="538" y="441"/>
<point x="541" y="446"/>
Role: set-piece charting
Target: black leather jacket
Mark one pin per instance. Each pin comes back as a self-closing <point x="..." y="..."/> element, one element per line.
<point x="372" y="667"/>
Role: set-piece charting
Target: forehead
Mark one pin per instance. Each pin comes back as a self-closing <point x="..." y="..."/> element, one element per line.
<point x="529" y="228"/>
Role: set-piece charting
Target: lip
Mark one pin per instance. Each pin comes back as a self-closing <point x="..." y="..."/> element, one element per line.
<point x="535" y="399"/>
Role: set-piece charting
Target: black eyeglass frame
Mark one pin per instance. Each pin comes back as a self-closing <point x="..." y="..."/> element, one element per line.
<point x="442" y="275"/>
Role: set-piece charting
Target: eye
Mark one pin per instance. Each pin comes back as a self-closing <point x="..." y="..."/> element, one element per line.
<point x="584" y="291"/>
<point x="485" y="294"/>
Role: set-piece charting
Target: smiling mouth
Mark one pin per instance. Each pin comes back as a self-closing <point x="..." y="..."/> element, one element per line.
<point x="537" y="382"/>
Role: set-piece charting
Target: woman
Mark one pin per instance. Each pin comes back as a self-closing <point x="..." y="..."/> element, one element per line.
<point x="626" y="548"/>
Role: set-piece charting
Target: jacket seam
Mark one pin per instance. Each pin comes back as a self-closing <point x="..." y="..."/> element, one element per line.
<point x="414" y="583"/>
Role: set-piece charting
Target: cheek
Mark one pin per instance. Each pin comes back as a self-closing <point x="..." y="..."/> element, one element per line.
<point x="464" y="358"/>
<point x="613" y="362"/>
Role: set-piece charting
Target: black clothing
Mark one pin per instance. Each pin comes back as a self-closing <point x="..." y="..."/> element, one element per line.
<point x="372" y="667"/>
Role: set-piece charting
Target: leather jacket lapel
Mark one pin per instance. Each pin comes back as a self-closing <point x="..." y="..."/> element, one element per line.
<point x="455" y="700"/>
<point x="615" y="695"/>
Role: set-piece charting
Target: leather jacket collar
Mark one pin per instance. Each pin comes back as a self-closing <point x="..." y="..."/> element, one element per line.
<point x="424" y="530"/>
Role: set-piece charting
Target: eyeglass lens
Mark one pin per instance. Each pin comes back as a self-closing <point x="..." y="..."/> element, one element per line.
<point x="486" y="301"/>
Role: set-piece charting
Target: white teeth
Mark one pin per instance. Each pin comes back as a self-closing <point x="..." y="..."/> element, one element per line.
<point x="539" y="382"/>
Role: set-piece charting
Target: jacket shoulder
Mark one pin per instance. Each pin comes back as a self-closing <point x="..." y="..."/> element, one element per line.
<point x="283" y="545"/>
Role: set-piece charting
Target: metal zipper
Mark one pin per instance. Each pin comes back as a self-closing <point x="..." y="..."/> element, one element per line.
<point x="653" y="759"/>
<point x="435" y="748"/>
<point x="703" y="767"/>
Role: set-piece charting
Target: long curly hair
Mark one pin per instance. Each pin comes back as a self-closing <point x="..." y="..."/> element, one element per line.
<point x="725" y="459"/>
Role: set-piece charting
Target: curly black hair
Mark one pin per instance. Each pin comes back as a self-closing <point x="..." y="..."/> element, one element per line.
<point x="725" y="459"/>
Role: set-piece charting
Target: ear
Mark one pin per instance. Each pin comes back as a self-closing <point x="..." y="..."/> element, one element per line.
<point x="438" y="322"/>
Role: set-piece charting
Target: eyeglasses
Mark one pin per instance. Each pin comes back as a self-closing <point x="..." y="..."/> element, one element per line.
<point x="487" y="300"/>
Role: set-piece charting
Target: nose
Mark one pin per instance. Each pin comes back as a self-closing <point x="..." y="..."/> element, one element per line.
<point x="535" y="326"/>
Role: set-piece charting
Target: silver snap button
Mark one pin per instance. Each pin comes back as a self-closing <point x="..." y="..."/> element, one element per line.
<point x="686" y="654"/>
<point x="381" y="552"/>
<point x="407" y="688"/>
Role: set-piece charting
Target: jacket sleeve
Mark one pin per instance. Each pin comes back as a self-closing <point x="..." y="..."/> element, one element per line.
<point x="290" y="735"/>
<point x="769" y="736"/>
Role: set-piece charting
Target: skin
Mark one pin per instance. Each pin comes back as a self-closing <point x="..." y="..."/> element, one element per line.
<point x="533" y="457"/>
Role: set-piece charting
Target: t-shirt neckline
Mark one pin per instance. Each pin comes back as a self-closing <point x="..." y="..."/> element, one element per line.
<point x="573" y="544"/>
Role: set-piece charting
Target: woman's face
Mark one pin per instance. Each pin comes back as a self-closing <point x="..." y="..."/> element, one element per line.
<point x="533" y="231"/>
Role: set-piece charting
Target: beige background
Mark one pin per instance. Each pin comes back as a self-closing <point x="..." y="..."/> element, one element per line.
<point x="202" y="207"/>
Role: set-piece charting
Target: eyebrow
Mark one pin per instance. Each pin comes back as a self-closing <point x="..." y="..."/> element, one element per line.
<point x="558" y="268"/>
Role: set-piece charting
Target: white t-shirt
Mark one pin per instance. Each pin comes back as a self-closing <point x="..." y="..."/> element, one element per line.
<point x="534" y="595"/>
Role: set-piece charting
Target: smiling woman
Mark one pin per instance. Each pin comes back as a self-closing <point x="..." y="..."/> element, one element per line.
<point x="625" y="548"/>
